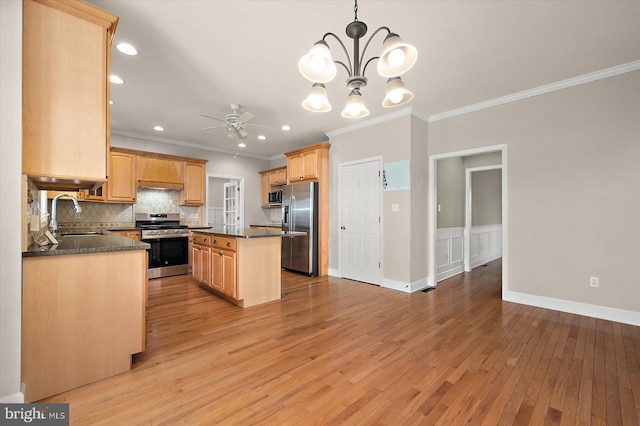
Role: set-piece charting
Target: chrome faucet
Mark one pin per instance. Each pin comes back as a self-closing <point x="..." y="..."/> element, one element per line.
<point x="54" y="222"/>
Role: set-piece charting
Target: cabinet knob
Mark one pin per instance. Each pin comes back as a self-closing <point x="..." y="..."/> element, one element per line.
<point x="343" y="227"/>
<point x="205" y="240"/>
<point x="215" y="241"/>
<point x="228" y="244"/>
<point x="220" y="253"/>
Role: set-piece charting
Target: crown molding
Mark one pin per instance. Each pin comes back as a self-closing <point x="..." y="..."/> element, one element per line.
<point x="370" y="122"/>
<point x="563" y="84"/>
<point x="186" y="144"/>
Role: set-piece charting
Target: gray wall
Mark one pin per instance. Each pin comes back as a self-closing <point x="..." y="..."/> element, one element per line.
<point x="486" y="197"/>
<point x="573" y="179"/>
<point x="451" y="181"/>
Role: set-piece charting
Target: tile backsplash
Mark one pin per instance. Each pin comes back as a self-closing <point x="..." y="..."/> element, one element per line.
<point x="114" y="215"/>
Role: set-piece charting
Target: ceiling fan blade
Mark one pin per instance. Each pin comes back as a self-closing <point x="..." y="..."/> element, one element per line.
<point x="258" y="125"/>
<point x="213" y="127"/>
<point x="246" y="116"/>
<point x="212" y="117"/>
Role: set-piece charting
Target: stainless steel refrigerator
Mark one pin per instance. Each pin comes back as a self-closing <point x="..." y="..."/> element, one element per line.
<point x="300" y="214"/>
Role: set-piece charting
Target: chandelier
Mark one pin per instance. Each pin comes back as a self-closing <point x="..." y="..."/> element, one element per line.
<point x="317" y="66"/>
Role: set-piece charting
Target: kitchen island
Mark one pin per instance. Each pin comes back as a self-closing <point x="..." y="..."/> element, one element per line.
<point x="83" y="311"/>
<point x="239" y="264"/>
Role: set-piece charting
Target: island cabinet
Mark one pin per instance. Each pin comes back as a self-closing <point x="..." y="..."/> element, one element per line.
<point x="201" y="258"/>
<point x="83" y="315"/>
<point x="223" y="266"/>
<point x="245" y="269"/>
<point x="65" y="110"/>
<point x="194" y="179"/>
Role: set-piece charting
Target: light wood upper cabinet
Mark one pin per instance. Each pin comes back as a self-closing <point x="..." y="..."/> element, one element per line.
<point x="65" y="112"/>
<point x="278" y="176"/>
<point x="264" y="187"/>
<point x="194" y="177"/>
<point x="121" y="187"/>
<point x="303" y="166"/>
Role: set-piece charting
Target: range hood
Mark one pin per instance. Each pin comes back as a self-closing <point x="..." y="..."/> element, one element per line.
<point x="160" y="185"/>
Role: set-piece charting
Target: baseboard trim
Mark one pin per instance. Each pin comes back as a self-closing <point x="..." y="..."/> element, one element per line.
<point x="418" y="285"/>
<point x="334" y="273"/>
<point x="579" y="308"/>
<point x="450" y="273"/>
<point x="14" y="398"/>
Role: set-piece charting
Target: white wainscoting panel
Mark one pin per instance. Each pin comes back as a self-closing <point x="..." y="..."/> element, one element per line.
<point x="485" y="244"/>
<point x="449" y="252"/>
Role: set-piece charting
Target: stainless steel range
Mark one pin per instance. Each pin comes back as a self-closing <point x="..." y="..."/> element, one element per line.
<point x="169" y="252"/>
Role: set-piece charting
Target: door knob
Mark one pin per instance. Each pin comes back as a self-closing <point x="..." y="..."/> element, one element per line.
<point x="343" y="227"/>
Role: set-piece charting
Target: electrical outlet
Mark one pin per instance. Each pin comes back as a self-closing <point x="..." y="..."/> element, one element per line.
<point x="395" y="207"/>
<point x="594" y="282"/>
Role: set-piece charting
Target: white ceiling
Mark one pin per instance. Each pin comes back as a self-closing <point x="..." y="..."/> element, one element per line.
<point x="200" y="56"/>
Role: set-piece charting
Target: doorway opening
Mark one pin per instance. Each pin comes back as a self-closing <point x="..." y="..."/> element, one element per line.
<point x="456" y="237"/>
<point x="225" y="201"/>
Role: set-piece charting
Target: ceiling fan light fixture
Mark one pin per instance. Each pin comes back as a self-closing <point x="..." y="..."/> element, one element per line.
<point x="317" y="65"/>
<point x="397" y="57"/>
<point x="355" y="107"/>
<point x="396" y="93"/>
<point x="317" y="100"/>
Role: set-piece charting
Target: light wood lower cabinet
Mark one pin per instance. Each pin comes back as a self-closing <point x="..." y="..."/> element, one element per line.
<point x="245" y="271"/>
<point x="83" y="316"/>
<point x="201" y="269"/>
<point x="134" y="235"/>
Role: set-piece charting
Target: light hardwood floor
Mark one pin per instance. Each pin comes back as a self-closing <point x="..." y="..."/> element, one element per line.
<point x="335" y="351"/>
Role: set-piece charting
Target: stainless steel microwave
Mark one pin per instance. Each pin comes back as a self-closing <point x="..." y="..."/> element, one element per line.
<point x="275" y="197"/>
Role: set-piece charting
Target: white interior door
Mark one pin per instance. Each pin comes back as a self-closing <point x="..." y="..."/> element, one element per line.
<point x="231" y="204"/>
<point x="360" y="221"/>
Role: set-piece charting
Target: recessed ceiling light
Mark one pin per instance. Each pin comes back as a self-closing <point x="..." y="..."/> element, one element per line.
<point x="158" y="129"/>
<point x="111" y="102"/>
<point x="127" y="49"/>
<point x="115" y="79"/>
<point x="262" y="137"/>
<point x="242" y="145"/>
<point x="285" y="127"/>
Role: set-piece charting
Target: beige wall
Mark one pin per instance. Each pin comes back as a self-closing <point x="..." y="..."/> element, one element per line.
<point x="10" y="207"/>
<point x="419" y="200"/>
<point x="573" y="179"/>
<point x="391" y="140"/>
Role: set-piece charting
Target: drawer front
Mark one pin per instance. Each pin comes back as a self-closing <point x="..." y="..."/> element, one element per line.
<point x="223" y="242"/>
<point x="203" y="240"/>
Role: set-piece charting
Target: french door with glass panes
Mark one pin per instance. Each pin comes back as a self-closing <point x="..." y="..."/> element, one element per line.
<point x="231" y="203"/>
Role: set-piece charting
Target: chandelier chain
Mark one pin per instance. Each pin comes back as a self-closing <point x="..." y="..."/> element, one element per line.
<point x="355" y="10"/>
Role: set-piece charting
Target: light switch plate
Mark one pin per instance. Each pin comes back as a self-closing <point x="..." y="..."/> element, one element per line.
<point x="395" y="207"/>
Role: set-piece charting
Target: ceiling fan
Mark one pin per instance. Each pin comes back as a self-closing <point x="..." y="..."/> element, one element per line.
<point x="234" y="123"/>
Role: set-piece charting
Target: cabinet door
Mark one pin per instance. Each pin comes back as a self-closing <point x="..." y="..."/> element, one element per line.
<point x="205" y="271"/>
<point x="196" y="266"/>
<point x="264" y="187"/>
<point x="281" y="177"/>
<point x="216" y="270"/>
<point x="228" y="260"/>
<point x="194" y="184"/>
<point x="273" y="178"/>
<point x="121" y="186"/>
<point x="295" y="168"/>
<point x="65" y="90"/>
<point x="310" y="165"/>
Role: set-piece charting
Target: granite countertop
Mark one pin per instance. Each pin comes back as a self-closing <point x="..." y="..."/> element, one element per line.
<point x="231" y="231"/>
<point x="86" y="244"/>
<point x="267" y="225"/>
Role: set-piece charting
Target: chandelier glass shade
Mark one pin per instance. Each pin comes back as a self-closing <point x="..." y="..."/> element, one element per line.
<point x="396" y="58"/>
